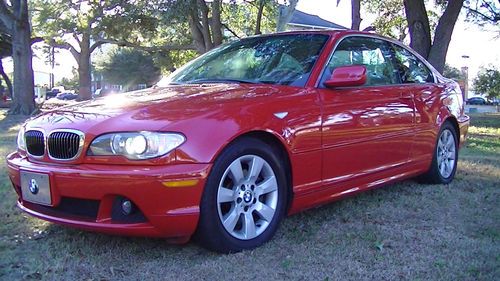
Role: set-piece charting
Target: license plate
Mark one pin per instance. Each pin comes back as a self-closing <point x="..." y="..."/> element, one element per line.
<point x="35" y="188"/>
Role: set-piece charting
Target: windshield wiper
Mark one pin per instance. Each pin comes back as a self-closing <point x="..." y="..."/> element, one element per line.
<point x="221" y="80"/>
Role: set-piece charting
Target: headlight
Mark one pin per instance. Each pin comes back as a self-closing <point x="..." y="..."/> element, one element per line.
<point x="136" y="145"/>
<point x="21" y="142"/>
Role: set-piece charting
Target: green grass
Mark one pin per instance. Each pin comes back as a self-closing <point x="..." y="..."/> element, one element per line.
<point x="404" y="231"/>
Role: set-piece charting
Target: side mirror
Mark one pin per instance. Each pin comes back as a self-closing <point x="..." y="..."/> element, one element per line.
<point x="347" y="76"/>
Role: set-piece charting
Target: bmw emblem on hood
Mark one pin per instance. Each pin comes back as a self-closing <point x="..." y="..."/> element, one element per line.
<point x="33" y="186"/>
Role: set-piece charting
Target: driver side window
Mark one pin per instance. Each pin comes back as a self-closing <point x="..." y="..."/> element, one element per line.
<point x="372" y="53"/>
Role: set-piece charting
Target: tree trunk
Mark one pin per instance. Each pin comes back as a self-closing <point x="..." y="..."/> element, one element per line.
<point x="6" y="79"/>
<point x="355" y="14"/>
<point x="196" y="28"/>
<point x="418" y="25"/>
<point x="205" y="26"/>
<point x="84" y="78"/>
<point x="216" y="23"/>
<point x="442" y="36"/>
<point x="23" y="91"/>
<point x="197" y="36"/>
<point x="285" y="15"/>
<point x="259" y="17"/>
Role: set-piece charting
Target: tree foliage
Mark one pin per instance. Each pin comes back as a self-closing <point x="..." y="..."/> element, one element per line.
<point x="83" y="26"/>
<point x="390" y="20"/>
<point x="166" y="29"/>
<point x="453" y="72"/>
<point x="243" y="18"/>
<point x="70" y="83"/>
<point x="487" y="82"/>
<point x="129" y="67"/>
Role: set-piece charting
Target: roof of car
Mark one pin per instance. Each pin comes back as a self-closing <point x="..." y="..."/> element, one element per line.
<point x="331" y="32"/>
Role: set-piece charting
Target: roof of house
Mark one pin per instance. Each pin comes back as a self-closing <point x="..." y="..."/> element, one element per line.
<point x="307" y="20"/>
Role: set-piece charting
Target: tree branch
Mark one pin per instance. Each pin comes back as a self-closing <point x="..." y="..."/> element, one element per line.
<point x="36" y="40"/>
<point x="124" y="43"/>
<point x="485" y="17"/>
<point x="6" y="17"/>
<point x="76" y="38"/>
<point x="69" y="47"/>
<point x="230" y="30"/>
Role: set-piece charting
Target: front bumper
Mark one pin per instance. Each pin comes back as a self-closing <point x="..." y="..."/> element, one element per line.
<point x="166" y="208"/>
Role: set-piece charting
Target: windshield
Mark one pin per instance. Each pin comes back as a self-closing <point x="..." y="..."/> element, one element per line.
<point x="281" y="59"/>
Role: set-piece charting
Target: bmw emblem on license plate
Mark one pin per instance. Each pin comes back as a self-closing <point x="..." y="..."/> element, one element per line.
<point x="33" y="186"/>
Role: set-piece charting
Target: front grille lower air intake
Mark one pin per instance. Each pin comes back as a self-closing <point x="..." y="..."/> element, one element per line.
<point x="35" y="143"/>
<point x="64" y="145"/>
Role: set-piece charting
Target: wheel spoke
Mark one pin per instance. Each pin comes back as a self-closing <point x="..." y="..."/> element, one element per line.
<point x="446" y="136"/>
<point x="268" y="185"/>
<point x="447" y="167"/>
<point x="236" y="171"/>
<point x="442" y="168"/>
<point x="231" y="219"/>
<point x="450" y="142"/>
<point x="440" y="144"/>
<point x="225" y="195"/>
<point x="266" y="212"/>
<point x="451" y="155"/>
<point x="255" y="168"/>
<point x="249" y="226"/>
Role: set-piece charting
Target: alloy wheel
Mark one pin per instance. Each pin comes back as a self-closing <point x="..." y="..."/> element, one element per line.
<point x="446" y="153"/>
<point x="247" y="197"/>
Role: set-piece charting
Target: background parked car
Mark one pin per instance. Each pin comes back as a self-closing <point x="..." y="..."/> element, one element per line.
<point x="476" y="101"/>
<point x="54" y="92"/>
<point x="68" y="95"/>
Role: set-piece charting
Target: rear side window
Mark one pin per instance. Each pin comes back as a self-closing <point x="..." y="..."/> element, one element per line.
<point x="410" y="68"/>
<point x="372" y="53"/>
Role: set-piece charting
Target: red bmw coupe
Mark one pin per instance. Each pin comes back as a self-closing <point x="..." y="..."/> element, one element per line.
<point x="228" y="145"/>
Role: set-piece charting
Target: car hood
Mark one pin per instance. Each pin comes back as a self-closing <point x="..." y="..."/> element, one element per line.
<point x="150" y="109"/>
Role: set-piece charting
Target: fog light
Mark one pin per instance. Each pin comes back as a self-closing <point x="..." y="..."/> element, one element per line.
<point x="127" y="207"/>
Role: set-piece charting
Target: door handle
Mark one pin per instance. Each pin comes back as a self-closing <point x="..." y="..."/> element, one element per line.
<point x="406" y="95"/>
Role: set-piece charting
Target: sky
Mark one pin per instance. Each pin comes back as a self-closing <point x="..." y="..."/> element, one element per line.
<point x="468" y="39"/>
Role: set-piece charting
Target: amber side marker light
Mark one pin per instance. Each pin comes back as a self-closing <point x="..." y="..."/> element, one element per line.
<point x="182" y="183"/>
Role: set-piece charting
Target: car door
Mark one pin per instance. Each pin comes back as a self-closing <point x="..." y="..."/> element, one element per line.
<point x="417" y="79"/>
<point x="367" y="129"/>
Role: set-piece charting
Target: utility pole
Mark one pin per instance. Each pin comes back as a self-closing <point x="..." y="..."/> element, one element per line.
<point x="52" y="63"/>
<point x="465" y="72"/>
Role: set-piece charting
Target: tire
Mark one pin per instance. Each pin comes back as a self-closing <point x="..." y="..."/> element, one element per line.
<point x="242" y="205"/>
<point x="445" y="158"/>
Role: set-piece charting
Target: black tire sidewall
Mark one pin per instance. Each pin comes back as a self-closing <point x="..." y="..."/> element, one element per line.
<point x="211" y="231"/>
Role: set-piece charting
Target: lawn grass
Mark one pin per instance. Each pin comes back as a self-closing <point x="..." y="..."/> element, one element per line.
<point x="404" y="231"/>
